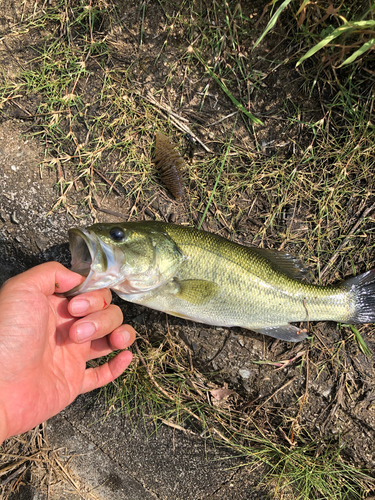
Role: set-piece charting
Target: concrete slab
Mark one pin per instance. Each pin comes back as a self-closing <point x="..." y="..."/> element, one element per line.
<point x="124" y="458"/>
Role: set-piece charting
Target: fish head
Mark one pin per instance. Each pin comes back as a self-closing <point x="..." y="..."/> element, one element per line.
<point x="127" y="257"/>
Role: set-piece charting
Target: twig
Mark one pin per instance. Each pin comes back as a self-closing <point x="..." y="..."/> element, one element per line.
<point x="274" y="394"/>
<point x="184" y="128"/>
<point x="164" y="107"/>
<point x="13" y="475"/>
<point x="192" y="414"/>
<point x="177" y="120"/>
<point x="9" y="467"/>
<point x="226" y="340"/>
<point x="31" y="116"/>
<point x="221" y="119"/>
<point x="338" y="402"/>
<point x="304" y="398"/>
<point x="176" y="426"/>
<point x="107" y="181"/>
<point x="12" y="55"/>
<point x="346" y="239"/>
<point x="68" y="476"/>
<point x="110" y="212"/>
<point x="319" y="337"/>
<point x="135" y="203"/>
<point x="280" y="364"/>
<point x="150" y="374"/>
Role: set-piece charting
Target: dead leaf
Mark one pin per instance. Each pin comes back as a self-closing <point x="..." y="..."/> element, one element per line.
<point x="222" y="393"/>
<point x="302" y="18"/>
<point x="331" y="10"/>
<point x="302" y="13"/>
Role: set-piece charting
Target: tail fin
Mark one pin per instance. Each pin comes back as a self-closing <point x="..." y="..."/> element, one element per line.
<point x="362" y="290"/>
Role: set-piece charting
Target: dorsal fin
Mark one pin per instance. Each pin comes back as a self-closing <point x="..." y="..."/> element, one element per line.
<point x="284" y="263"/>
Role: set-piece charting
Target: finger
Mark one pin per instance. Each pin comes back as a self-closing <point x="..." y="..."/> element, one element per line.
<point x="47" y="278"/>
<point x="96" y="325"/>
<point x="123" y="337"/>
<point x="104" y="374"/>
<point x="119" y="339"/>
<point x="90" y="302"/>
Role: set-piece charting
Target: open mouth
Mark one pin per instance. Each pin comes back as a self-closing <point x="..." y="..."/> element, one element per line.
<point x="82" y="250"/>
<point x="97" y="261"/>
<point x="86" y="254"/>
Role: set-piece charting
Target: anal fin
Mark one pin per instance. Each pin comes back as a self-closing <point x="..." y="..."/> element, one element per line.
<point x="289" y="333"/>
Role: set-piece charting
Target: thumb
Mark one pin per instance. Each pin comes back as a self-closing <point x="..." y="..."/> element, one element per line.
<point x="48" y="278"/>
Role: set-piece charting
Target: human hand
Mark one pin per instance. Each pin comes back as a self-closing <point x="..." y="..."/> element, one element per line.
<point x="43" y="349"/>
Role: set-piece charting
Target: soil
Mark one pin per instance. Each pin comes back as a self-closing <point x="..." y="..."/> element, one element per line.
<point x="331" y="396"/>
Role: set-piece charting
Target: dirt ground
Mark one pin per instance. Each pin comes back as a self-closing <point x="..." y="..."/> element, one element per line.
<point x="331" y="394"/>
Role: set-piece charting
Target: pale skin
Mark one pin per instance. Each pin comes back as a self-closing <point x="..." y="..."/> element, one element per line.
<point x="45" y="342"/>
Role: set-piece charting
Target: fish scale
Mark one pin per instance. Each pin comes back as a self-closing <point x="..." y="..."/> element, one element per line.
<point x="252" y="294"/>
<point x="203" y="277"/>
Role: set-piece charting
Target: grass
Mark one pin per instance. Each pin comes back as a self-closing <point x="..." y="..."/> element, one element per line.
<point x="290" y="166"/>
<point x="30" y="453"/>
<point x="161" y="387"/>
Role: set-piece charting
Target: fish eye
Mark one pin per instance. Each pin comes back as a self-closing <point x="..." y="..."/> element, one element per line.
<point x="117" y="234"/>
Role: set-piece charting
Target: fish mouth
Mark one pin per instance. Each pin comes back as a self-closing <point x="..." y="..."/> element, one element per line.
<point x="83" y="245"/>
<point x="98" y="262"/>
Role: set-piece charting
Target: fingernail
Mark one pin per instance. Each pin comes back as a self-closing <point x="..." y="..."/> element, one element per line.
<point x="79" y="306"/>
<point x="85" y="331"/>
<point x="126" y="336"/>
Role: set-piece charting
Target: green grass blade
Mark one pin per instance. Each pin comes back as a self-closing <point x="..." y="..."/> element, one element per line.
<point x="337" y="32"/>
<point x="272" y="21"/>
<point x="322" y="43"/>
<point x="217" y="178"/>
<point x="360" y="25"/>
<point x="366" y="46"/>
<point x="366" y="351"/>
<point x="242" y="108"/>
<point x="303" y="5"/>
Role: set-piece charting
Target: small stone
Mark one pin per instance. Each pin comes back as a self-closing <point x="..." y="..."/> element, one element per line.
<point x="244" y="373"/>
<point x="14" y="219"/>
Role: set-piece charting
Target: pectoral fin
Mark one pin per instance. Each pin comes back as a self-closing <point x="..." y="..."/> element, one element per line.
<point x="289" y="333"/>
<point x="196" y="292"/>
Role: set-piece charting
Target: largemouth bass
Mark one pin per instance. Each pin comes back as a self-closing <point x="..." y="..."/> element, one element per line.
<point x="203" y="277"/>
